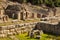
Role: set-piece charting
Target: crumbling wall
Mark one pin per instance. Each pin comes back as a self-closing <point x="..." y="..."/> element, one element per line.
<point x="16" y="29"/>
<point x="12" y="11"/>
<point x="50" y="28"/>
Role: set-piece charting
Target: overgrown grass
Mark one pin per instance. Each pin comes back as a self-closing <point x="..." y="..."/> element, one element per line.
<point x="7" y="38"/>
<point x="43" y="37"/>
<point x="25" y="37"/>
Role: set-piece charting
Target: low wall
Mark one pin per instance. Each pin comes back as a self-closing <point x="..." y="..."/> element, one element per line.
<point x="16" y="29"/>
<point x="50" y="28"/>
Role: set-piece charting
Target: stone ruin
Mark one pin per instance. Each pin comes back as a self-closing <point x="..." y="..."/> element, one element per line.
<point x="19" y="11"/>
<point x="23" y="12"/>
<point x="3" y="17"/>
<point x="12" y="30"/>
<point x="14" y="11"/>
<point x="50" y="25"/>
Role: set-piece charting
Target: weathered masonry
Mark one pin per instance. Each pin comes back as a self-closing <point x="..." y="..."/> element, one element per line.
<point x="50" y="27"/>
<point x="3" y="17"/>
<point x="16" y="29"/>
<point x="19" y="12"/>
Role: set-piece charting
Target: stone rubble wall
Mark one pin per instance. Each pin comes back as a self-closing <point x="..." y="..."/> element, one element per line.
<point x="16" y="29"/>
<point x="50" y="28"/>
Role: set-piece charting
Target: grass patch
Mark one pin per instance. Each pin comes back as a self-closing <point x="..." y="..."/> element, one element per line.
<point x="25" y="37"/>
<point x="7" y="38"/>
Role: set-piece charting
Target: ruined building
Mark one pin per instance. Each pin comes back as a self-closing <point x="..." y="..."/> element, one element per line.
<point x="19" y="11"/>
<point x="3" y="17"/>
<point x="14" y="11"/>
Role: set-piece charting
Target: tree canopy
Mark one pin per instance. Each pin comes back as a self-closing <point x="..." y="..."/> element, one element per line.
<point x="39" y="2"/>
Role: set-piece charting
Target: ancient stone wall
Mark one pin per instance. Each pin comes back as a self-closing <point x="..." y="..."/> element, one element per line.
<point x="50" y="28"/>
<point x="16" y="29"/>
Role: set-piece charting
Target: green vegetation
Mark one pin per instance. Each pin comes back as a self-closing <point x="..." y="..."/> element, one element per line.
<point x="7" y="38"/>
<point x="43" y="37"/>
<point x="39" y="2"/>
<point x="25" y="37"/>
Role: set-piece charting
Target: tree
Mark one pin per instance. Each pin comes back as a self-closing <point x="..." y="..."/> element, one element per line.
<point x="53" y="6"/>
<point x="50" y="4"/>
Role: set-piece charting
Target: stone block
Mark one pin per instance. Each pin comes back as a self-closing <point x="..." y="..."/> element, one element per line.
<point x="3" y="35"/>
